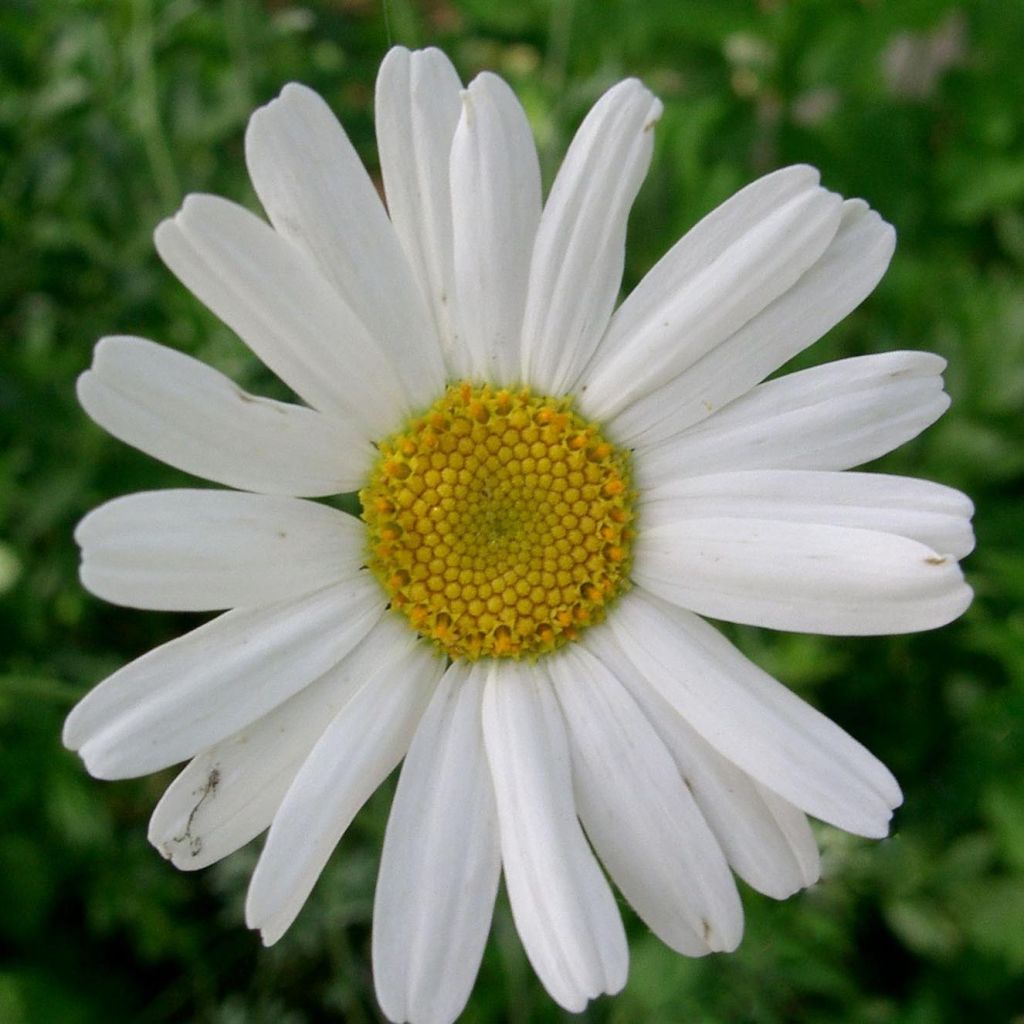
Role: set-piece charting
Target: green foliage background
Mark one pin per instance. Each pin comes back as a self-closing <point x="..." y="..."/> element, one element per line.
<point x="111" y="111"/>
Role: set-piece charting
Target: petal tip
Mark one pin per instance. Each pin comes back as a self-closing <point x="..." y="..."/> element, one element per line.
<point x="963" y="598"/>
<point x="297" y="92"/>
<point x="84" y="384"/>
<point x="657" y="108"/>
<point x="396" y="55"/>
<point x="808" y="174"/>
<point x="164" y="233"/>
<point x="99" y="762"/>
<point x="194" y="205"/>
<point x="69" y="733"/>
<point x="107" y="346"/>
<point x="271" y="933"/>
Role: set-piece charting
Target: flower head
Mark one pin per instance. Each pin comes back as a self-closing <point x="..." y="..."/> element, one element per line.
<point x="553" y="491"/>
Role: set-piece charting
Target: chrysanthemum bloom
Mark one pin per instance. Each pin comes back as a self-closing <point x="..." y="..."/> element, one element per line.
<point x="553" y="491"/>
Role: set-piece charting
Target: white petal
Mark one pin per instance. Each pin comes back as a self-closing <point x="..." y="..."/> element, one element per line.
<point x="797" y="833"/>
<point x="564" y="911"/>
<point x="188" y="415"/>
<point x="195" y="691"/>
<point x="713" y="236"/>
<point x="722" y="228"/>
<point x="835" y="416"/>
<point x="319" y="197"/>
<point x="495" y="182"/>
<point x="440" y="864"/>
<point x="846" y="274"/>
<point x="292" y="318"/>
<point x="767" y="841"/>
<point x="356" y="753"/>
<point x="800" y="576"/>
<point x="641" y="819"/>
<point x="229" y="794"/>
<point x="753" y="720"/>
<point x="667" y="324"/>
<point x="576" y="268"/>
<point x="189" y="550"/>
<point x="936" y="516"/>
<point x="417" y="108"/>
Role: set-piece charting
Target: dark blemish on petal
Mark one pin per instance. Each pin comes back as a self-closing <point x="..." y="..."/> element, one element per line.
<point x="937" y="559"/>
<point x="195" y="843"/>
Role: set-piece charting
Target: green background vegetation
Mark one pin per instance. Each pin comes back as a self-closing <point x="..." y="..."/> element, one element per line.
<point x="111" y="111"/>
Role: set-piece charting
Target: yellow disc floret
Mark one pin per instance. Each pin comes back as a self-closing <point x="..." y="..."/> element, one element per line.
<point x="499" y="522"/>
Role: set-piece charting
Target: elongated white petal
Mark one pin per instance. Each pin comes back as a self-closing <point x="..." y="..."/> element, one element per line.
<point x="719" y="230"/>
<point x="319" y="197"/>
<point x="417" y="109"/>
<point x="661" y="333"/>
<point x="357" y="751"/>
<point x="495" y="181"/>
<point x="767" y="841"/>
<point x="284" y="310"/>
<point x="188" y="415"/>
<point x="564" y="911"/>
<point x="641" y="818"/>
<point x="934" y="515"/>
<point x="199" y="689"/>
<point x="796" y="831"/>
<point x="187" y="550"/>
<point x="576" y="267"/>
<point x="835" y="416"/>
<point x="846" y="274"/>
<point x="441" y="861"/>
<point x="804" y="577"/>
<point x="713" y="236"/>
<point x="754" y="721"/>
<point x="229" y="794"/>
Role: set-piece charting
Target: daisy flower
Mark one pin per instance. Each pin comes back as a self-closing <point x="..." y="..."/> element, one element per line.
<point x="554" y="492"/>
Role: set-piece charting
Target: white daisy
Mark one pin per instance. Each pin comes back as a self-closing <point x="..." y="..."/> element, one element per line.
<point x="554" y="491"/>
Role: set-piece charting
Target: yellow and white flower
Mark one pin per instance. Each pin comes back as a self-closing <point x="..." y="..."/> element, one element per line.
<point x="554" y="492"/>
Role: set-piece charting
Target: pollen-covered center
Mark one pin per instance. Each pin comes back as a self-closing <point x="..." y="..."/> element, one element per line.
<point x="499" y="522"/>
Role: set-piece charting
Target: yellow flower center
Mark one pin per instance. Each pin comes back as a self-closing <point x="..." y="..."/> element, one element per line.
<point x="499" y="522"/>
